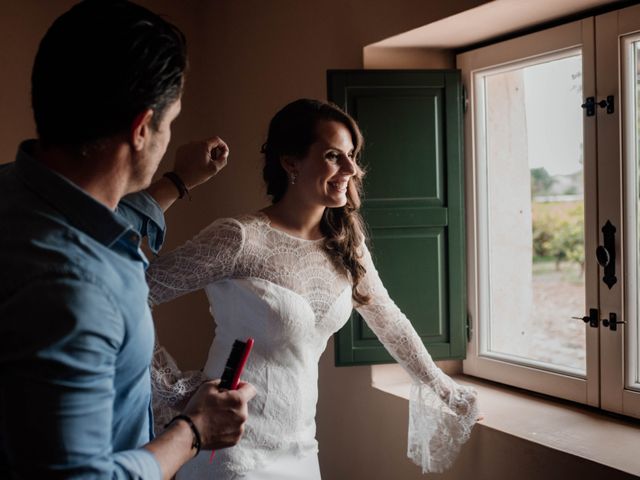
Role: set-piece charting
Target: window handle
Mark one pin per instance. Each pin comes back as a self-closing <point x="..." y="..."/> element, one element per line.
<point x="606" y="254"/>
<point x="590" y="105"/>
<point x="608" y="103"/>
<point x="612" y="322"/>
<point x="592" y="319"/>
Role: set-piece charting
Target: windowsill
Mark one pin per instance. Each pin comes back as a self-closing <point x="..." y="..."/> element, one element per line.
<point x="559" y="425"/>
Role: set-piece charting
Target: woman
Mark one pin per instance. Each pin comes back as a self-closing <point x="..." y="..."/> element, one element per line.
<point x="289" y="277"/>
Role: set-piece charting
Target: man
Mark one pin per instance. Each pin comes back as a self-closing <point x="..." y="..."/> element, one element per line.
<point x="76" y="334"/>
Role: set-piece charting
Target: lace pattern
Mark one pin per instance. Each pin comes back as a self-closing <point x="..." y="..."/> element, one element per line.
<point x="172" y="388"/>
<point x="442" y="413"/>
<point x="437" y="431"/>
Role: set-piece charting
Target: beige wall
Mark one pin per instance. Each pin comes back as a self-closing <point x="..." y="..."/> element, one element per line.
<point x="248" y="58"/>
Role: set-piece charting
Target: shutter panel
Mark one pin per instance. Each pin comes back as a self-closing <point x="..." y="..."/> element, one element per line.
<point x="413" y="203"/>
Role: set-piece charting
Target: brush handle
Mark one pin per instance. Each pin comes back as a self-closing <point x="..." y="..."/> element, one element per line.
<point x="237" y="371"/>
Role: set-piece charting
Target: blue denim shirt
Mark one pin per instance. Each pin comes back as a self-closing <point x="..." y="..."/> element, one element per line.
<point x="76" y="335"/>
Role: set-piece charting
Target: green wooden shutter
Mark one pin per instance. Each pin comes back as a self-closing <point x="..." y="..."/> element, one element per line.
<point x="413" y="203"/>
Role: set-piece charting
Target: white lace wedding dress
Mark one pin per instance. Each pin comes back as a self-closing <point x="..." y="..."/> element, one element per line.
<point x="288" y="295"/>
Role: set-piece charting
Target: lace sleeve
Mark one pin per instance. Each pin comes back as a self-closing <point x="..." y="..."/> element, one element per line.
<point x="171" y="388"/>
<point x="442" y="413"/>
<point x="209" y="256"/>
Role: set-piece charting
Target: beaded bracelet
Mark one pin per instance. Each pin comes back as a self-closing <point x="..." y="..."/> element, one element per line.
<point x="177" y="181"/>
<point x="197" y="442"/>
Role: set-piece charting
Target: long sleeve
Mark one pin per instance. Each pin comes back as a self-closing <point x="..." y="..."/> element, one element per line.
<point x="442" y="413"/>
<point x="145" y="215"/>
<point x="172" y="387"/>
<point x="209" y="256"/>
<point x="62" y="380"/>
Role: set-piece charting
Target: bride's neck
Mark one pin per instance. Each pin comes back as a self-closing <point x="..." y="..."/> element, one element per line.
<point x="296" y="218"/>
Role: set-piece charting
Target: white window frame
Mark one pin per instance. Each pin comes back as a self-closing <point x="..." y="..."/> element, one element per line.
<point x="571" y="36"/>
<point x="610" y="143"/>
<point x="616" y="140"/>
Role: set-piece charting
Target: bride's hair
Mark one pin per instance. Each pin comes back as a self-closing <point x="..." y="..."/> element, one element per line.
<point x="292" y="131"/>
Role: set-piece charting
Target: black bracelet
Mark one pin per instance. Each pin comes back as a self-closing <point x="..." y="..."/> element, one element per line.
<point x="197" y="442"/>
<point x="177" y="181"/>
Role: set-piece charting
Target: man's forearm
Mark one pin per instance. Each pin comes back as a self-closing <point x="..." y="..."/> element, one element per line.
<point x="195" y="163"/>
<point x="164" y="192"/>
<point x="173" y="448"/>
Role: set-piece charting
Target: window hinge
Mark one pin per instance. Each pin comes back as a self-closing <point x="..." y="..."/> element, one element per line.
<point x="469" y="328"/>
<point x="465" y="100"/>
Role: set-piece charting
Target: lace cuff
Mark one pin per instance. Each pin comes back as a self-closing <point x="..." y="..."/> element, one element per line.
<point x="437" y="431"/>
<point x="171" y="388"/>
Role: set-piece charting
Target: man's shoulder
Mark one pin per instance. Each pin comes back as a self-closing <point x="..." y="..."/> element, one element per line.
<point x="38" y="245"/>
<point x="6" y="169"/>
<point x="54" y="267"/>
<point x="57" y="304"/>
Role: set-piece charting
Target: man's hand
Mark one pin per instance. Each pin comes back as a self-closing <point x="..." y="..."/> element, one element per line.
<point x="197" y="162"/>
<point x="220" y="415"/>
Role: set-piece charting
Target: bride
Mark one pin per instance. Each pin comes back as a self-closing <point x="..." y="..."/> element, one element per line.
<point x="289" y="276"/>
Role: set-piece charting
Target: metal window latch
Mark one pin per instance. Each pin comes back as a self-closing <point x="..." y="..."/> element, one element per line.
<point x="592" y="319"/>
<point x="590" y="105"/>
<point x="608" y="103"/>
<point x="465" y="100"/>
<point x="612" y="322"/>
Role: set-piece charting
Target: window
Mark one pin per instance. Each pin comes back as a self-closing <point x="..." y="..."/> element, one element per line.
<point x="530" y="201"/>
<point x="549" y="183"/>
<point x="631" y="90"/>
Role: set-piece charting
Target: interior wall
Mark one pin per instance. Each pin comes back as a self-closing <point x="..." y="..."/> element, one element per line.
<point x="248" y="59"/>
<point x="415" y="57"/>
<point x="22" y="25"/>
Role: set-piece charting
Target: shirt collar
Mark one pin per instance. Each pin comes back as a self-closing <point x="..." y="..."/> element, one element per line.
<point x="81" y="210"/>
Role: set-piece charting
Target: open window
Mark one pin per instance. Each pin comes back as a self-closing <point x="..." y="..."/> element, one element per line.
<point x="552" y="189"/>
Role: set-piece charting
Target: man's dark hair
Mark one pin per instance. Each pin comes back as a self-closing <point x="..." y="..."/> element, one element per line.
<point x="100" y="65"/>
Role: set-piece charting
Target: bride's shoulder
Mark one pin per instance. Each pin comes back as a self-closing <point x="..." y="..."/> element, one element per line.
<point x="257" y="222"/>
<point x="238" y="224"/>
<point x="232" y="227"/>
<point x="250" y="219"/>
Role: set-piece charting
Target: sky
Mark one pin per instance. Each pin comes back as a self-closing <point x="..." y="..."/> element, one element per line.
<point x="553" y="95"/>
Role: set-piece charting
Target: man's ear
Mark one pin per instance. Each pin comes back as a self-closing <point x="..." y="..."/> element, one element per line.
<point x="140" y="129"/>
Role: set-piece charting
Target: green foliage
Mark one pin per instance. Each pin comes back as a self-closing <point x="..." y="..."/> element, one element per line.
<point x="542" y="236"/>
<point x="541" y="181"/>
<point x="558" y="232"/>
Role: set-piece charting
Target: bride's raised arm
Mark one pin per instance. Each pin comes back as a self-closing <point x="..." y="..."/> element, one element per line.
<point x="209" y="256"/>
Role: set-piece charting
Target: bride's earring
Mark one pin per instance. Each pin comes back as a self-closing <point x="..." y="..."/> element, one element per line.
<point x="293" y="178"/>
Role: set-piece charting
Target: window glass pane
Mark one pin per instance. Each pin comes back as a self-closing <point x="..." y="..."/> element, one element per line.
<point x="533" y="237"/>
